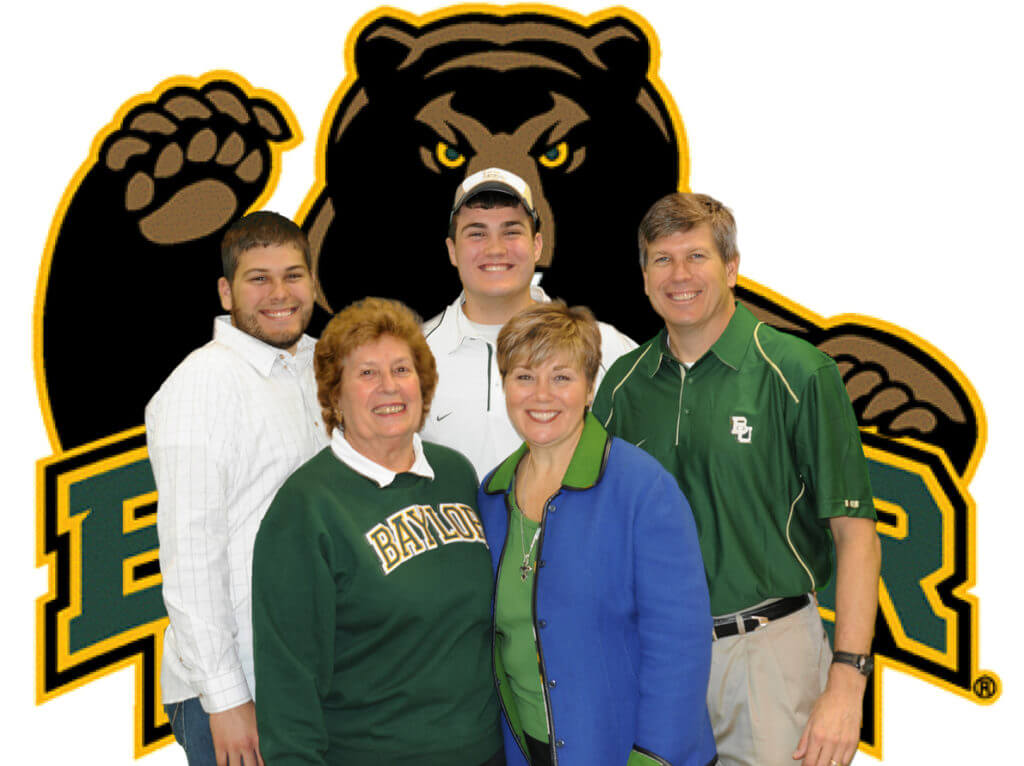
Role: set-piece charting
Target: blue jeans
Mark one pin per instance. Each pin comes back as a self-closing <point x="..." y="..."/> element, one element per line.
<point x="191" y="727"/>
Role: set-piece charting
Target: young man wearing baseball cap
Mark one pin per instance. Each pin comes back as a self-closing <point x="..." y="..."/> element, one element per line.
<point x="494" y="242"/>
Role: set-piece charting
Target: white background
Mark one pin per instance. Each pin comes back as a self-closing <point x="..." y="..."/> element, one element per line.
<point x="871" y="153"/>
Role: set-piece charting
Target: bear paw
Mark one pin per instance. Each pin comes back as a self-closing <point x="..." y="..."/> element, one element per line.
<point x="192" y="161"/>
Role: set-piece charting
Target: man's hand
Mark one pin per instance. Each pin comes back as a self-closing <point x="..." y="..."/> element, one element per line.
<point x="235" y="740"/>
<point x="833" y="729"/>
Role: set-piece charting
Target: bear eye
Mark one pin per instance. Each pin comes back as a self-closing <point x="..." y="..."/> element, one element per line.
<point x="555" y="156"/>
<point x="448" y="155"/>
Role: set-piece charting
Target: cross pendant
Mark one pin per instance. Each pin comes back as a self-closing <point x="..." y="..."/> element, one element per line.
<point x="524" y="571"/>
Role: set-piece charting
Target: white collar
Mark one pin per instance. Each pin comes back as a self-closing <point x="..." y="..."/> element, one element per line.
<point x="372" y="470"/>
<point x="463" y="324"/>
<point x="260" y="355"/>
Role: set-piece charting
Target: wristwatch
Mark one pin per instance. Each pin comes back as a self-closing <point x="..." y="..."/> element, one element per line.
<point x="864" y="663"/>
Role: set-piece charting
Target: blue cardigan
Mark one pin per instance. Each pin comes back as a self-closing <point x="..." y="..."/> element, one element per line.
<point x="621" y="611"/>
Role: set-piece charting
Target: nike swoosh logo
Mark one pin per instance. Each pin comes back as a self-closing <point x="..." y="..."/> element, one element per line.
<point x="442" y="417"/>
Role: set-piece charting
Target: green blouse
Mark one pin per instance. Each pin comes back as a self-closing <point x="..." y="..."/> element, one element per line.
<point x="513" y="618"/>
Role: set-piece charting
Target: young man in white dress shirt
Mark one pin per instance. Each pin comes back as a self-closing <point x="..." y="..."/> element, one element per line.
<point x="225" y="430"/>
<point x="494" y="241"/>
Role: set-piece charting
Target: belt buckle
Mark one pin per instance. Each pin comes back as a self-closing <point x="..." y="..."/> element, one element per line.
<point x="740" y="620"/>
<point x="741" y="623"/>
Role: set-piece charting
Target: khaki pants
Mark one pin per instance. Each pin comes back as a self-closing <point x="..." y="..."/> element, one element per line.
<point x="763" y="686"/>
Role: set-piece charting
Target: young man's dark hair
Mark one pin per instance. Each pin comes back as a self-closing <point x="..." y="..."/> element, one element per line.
<point x="260" y="229"/>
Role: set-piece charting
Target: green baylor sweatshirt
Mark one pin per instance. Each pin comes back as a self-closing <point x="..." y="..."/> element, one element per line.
<point x="371" y="619"/>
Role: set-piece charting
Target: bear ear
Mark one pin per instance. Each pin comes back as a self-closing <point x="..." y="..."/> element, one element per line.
<point x="382" y="47"/>
<point x="622" y="47"/>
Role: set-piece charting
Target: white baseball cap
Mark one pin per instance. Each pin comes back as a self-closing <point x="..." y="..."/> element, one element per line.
<point x="494" y="179"/>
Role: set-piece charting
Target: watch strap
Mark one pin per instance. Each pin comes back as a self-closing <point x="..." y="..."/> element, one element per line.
<point x="863" y="663"/>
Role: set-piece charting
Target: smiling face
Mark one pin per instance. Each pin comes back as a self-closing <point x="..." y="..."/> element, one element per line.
<point x="546" y="402"/>
<point x="271" y="295"/>
<point x="494" y="251"/>
<point x="380" y="400"/>
<point x="690" y="287"/>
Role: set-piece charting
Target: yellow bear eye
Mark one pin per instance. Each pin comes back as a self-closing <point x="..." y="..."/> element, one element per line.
<point x="448" y="156"/>
<point x="555" y="155"/>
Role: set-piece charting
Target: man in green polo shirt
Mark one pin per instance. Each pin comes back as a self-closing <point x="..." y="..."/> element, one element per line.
<point x="757" y="427"/>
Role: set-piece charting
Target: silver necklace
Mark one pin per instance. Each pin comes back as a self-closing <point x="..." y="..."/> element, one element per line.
<point x="527" y="567"/>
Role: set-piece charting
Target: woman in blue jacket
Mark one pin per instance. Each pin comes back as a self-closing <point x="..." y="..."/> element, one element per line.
<point x="602" y="640"/>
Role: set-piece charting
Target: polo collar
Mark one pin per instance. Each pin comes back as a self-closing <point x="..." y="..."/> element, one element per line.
<point x="655" y="351"/>
<point x="730" y="348"/>
<point x="372" y="470"/>
<point x="585" y="467"/>
<point x="262" y="356"/>
<point x="732" y="344"/>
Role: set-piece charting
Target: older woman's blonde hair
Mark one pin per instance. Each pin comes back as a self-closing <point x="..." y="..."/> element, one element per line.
<point x="363" y="322"/>
<point x="544" y="330"/>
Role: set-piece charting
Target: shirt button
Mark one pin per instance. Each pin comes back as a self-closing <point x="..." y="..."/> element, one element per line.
<point x="559" y="743"/>
<point x="552" y="508"/>
<point x="552" y="683"/>
<point x="542" y="623"/>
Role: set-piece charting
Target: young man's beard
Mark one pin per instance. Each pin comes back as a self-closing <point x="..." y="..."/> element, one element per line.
<point x="250" y="325"/>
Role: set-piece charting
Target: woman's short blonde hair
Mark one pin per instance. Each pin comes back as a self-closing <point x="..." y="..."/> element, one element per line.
<point x="544" y="330"/>
<point x="356" y="325"/>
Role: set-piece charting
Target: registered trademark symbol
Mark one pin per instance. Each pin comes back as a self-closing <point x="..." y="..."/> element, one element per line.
<point x="985" y="687"/>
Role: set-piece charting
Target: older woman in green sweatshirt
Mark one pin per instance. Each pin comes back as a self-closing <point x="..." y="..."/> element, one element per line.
<point x="371" y="575"/>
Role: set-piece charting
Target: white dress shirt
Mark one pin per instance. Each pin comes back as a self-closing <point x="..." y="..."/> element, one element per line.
<point x="468" y="411"/>
<point x="225" y="430"/>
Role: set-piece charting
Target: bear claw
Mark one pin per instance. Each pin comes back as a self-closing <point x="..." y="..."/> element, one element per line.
<point x="194" y="159"/>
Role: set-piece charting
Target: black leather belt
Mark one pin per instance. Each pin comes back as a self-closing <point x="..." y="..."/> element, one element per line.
<point x="758" y="617"/>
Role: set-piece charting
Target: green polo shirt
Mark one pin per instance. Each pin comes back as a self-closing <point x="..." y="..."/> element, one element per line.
<point x="761" y="436"/>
